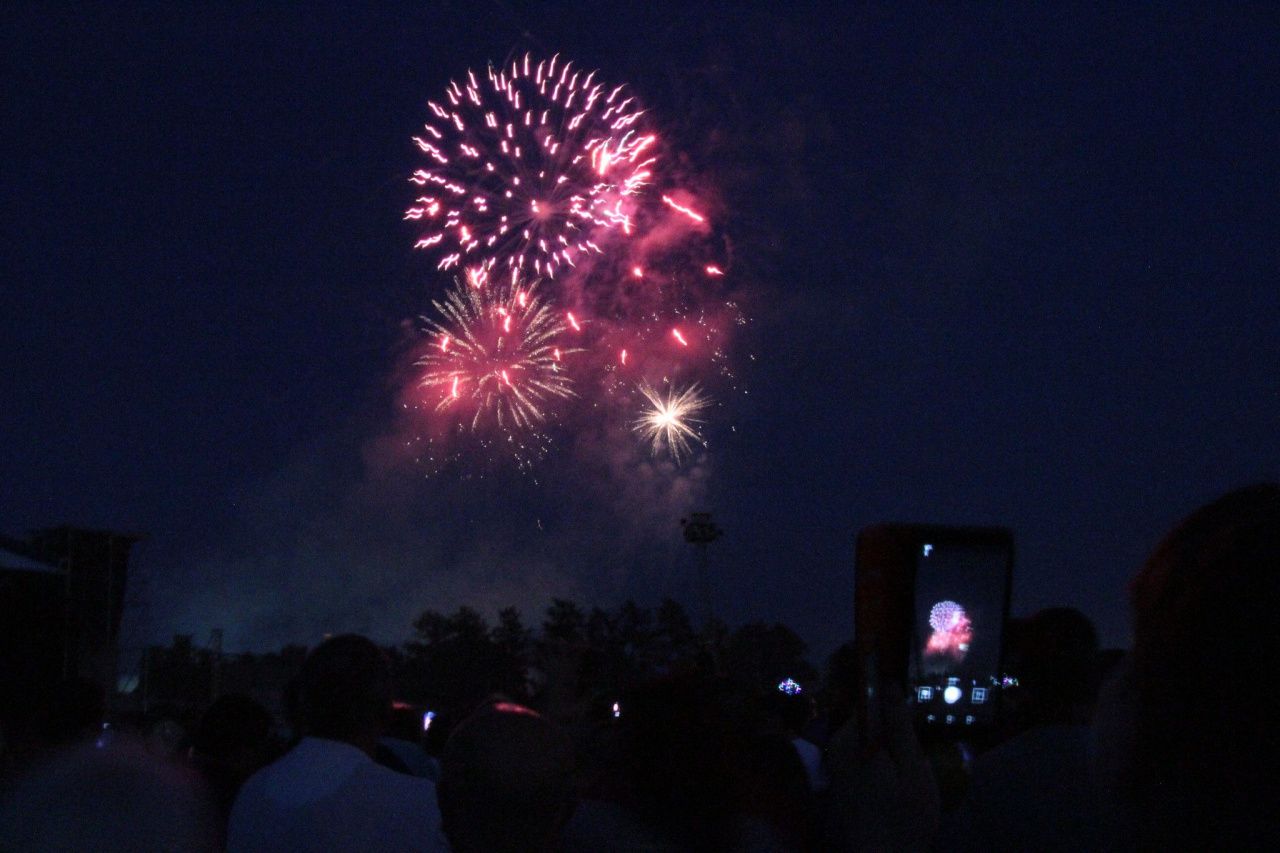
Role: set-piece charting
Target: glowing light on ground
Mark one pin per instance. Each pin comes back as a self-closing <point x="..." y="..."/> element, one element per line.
<point x="790" y="687"/>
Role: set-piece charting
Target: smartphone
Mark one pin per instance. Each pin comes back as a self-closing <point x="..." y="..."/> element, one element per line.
<point x="931" y="604"/>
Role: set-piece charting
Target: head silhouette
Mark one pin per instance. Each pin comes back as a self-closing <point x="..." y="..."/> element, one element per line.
<point x="344" y="691"/>
<point x="1204" y="610"/>
<point x="506" y="781"/>
<point x="1055" y="655"/>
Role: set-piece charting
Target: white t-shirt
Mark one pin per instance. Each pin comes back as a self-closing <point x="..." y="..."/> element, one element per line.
<point x="326" y="796"/>
<point x="811" y="758"/>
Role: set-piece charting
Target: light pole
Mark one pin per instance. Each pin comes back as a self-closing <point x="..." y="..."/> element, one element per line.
<point x="700" y="531"/>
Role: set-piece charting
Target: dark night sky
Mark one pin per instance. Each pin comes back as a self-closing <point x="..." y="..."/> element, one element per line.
<point x="1014" y="267"/>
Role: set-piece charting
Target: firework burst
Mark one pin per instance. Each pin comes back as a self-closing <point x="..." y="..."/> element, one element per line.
<point x="528" y="168"/>
<point x="669" y="423"/>
<point x="537" y="170"/>
<point x="494" y="356"/>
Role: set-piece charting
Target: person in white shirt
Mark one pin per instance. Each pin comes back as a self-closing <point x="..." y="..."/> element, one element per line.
<point x="327" y="794"/>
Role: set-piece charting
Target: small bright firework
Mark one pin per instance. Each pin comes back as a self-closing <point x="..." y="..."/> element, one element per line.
<point x="670" y="423"/>
<point x="494" y="356"/>
<point x="790" y="687"/>
<point x="528" y="166"/>
<point x="952" y="630"/>
<point x="945" y="615"/>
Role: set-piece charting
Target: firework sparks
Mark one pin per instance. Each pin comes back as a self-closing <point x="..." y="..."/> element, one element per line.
<point x="527" y="167"/>
<point x="687" y="211"/>
<point x="536" y="170"/>
<point x="952" y="630"/>
<point x="495" y="355"/>
<point x="670" y="423"/>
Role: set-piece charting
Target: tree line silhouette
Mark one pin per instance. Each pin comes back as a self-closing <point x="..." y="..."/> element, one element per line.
<point x="585" y="657"/>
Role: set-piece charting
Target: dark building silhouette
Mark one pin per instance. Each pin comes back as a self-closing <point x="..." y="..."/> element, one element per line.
<point x="62" y="597"/>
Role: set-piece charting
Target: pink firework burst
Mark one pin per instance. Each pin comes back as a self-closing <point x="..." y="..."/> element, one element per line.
<point x="946" y="615"/>
<point x="494" y="356"/>
<point x="528" y="169"/>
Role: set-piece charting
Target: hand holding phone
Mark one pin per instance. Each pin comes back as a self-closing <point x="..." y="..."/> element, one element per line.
<point x="931" y="604"/>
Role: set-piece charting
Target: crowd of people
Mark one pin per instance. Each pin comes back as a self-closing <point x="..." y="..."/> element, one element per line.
<point x="1169" y="746"/>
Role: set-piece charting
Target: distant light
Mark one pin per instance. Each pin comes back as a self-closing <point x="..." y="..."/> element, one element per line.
<point x="951" y="695"/>
<point x="617" y="710"/>
<point x="427" y="719"/>
<point x="790" y="687"/>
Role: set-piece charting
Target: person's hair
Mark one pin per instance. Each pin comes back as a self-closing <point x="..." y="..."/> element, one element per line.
<point x="1205" y="603"/>
<point x="232" y="722"/>
<point x="793" y="711"/>
<point x="681" y="749"/>
<point x="1057" y="652"/>
<point x="506" y="781"/>
<point x="844" y="681"/>
<point x="344" y="689"/>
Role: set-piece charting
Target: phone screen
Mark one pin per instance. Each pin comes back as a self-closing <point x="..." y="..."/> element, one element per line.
<point x="958" y="630"/>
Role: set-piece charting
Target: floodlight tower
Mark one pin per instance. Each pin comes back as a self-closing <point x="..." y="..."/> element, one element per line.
<point x="700" y="531"/>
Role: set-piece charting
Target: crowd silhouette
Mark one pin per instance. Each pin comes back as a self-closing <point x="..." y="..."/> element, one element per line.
<point x="632" y="731"/>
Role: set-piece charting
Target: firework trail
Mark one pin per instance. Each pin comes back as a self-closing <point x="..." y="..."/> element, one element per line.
<point x="670" y="422"/>
<point x="495" y="355"/>
<point x="528" y="168"/>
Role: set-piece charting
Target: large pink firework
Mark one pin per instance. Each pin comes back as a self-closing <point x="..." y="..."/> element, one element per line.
<point x="529" y="168"/>
<point x="536" y="170"/>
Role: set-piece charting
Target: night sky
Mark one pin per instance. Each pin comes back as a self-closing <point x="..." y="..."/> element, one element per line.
<point x="1012" y="266"/>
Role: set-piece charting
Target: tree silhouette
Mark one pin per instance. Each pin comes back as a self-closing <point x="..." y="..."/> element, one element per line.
<point x="454" y="661"/>
<point x="760" y="656"/>
<point x="564" y="622"/>
<point x="511" y="635"/>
